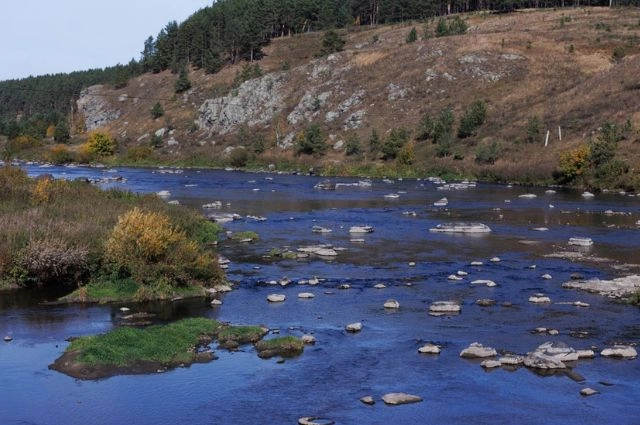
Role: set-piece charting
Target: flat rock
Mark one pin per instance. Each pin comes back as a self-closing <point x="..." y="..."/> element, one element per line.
<point x="354" y="327"/>
<point x="444" y="307"/>
<point x="588" y="391"/>
<point x="511" y="360"/>
<point x="306" y="295"/>
<point x="395" y="399"/>
<point x="486" y="282"/>
<point x="490" y="364"/>
<point x="623" y="351"/>
<point x="478" y="351"/>
<point x="276" y="298"/>
<point x="392" y="304"/>
<point x="429" y="349"/>
<point x="308" y="339"/>
<point x="368" y="400"/>
<point x="539" y="299"/>
<point x="379" y="286"/>
<point x="551" y="355"/>
<point x="616" y="288"/>
<point x="313" y="420"/>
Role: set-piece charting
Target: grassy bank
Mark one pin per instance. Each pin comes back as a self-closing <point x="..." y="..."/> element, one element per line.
<point x="108" y="244"/>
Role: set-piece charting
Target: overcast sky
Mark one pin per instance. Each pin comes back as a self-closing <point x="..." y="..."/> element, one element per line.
<point x="50" y="36"/>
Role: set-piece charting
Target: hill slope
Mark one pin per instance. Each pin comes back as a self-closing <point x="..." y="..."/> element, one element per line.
<point x="573" y="69"/>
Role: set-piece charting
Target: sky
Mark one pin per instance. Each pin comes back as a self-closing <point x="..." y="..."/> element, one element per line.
<point x="51" y="36"/>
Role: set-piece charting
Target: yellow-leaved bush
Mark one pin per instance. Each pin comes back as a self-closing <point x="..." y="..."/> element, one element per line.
<point x="47" y="189"/>
<point x="147" y="247"/>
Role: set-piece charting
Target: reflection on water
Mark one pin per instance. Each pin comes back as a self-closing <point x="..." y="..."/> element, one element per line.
<point x="414" y="265"/>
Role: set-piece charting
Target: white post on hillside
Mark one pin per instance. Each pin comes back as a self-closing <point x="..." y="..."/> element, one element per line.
<point x="559" y="133"/>
<point x="546" y="139"/>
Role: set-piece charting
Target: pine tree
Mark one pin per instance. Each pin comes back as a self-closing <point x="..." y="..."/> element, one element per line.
<point x="182" y="83"/>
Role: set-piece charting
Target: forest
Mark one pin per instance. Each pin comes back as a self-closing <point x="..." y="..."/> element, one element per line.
<point x="226" y="32"/>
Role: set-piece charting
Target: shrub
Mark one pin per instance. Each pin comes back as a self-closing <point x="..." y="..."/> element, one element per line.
<point x="396" y="139"/>
<point x="47" y="189"/>
<point x="101" y="144"/>
<point x="473" y="118"/>
<point x="311" y="141"/>
<point x="425" y="128"/>
<point x="331" y="42"/>
<point x="238" y="157"/>
<point x="412" y="36"/>
<point x="488" y="154"/>
<point x="53" y="260"/>
<point x="443" y="127"/>
<point x="454" y="26"/>
<point x="248" y="72"/>
<point x="574" y="163"/>
<point x="157" y="111"/>
<point x="182" y="84"/>
<point x="407" y="154"/>
<point x="61" y="134"/>
<point x="146" y="246"/>
<point x="352" y="145"/>
<point x="618" y="53"/>
<point x="60" y="154"/>
<point x="374" y="142"/>
<point x="533" y="129"/>
<point x="139" y="153"/>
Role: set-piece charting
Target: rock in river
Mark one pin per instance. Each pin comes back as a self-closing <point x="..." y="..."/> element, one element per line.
<point x="478" y="351"/>
<point x="400" y="398"/>
<point x="429" y="349"/>
<point x="551" y="355"/>
<point x="439" y="308"/>
<point x="623" y="351"/>
<point x="354" y="327"/>
<point x="276" y="298"/>
<point x="392" y="304"/>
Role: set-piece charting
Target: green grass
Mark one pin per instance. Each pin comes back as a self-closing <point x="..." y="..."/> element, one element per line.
<point x="127" y="346"/>
<point x="241" y="334"/>
<point x="239" y="236"/>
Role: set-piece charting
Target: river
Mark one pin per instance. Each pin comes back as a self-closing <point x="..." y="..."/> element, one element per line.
<point x="414" y="264"/>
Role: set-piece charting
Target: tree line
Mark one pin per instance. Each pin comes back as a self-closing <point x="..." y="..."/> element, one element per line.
<point x="228" y="31"/>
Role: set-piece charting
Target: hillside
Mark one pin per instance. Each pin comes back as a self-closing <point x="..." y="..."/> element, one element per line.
<point x="576" y="69"/>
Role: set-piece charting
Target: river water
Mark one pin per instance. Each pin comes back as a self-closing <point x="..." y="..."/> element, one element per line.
<point x="328" y="379"/>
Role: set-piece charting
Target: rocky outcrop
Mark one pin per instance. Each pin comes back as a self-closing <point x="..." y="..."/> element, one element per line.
<point x="95" y="108"/>
<point x="255" y="102"/>
<point x="621" y="287"/>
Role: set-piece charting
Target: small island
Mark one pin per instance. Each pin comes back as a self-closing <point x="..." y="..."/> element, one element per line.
<point x="127" y="350"/>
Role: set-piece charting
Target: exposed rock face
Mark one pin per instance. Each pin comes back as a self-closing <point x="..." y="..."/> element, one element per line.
<point x="616" y="288"/>
<point x="96" y="109"/>
<point x="257" y="102"/>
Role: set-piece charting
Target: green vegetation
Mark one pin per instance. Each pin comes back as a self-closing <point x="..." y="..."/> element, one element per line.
<point x="453" y="26"/>
<point x="182" y="83"/>
<point x="473" y="118"/>
<point x="287" y="346"/>
<point x="58" y="232"/>
<point x="412" y="36"/>
<point x="246" y="235"/>
<point x="331" y="42"/>
<point x="157" y="110"/>
<point x="311" y="141"/>
<point x="168" y="345"/>
<point x="101" y="144"/>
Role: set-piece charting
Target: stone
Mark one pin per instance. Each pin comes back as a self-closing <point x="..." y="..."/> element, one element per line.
<point x="616" y="288"/>
<point x="580" y="304"/>
<point x="478" y="351"/>
<point x="539" y="299"/>
<point x="490" y="364"/>
<point x="495" y="260"/>
<point x="306" y="295"/>
<point x="368" y="400"/>
<point x="429" y="349"/>
<point x="486" y="282"/>
<point x="622" y="351"/>
<point x="276" y="298"/>
<point x="454" y="277"/>
<point x="8" y="338"/>
<point x="216" y="302"/>
<point x="546" y="276"/>
<point x="444" y="307"/>
<point x="313" y="420"/>
<point x="395" y="399"/>
<point x="392" y="304"/>
<point x="354" y="327"/>
<point x="586" y="354"/>
<point x="308" y="339"/>
<point x="511" y="360"/>
<point x="588" y="391"/>
<point x="379" y="286"/>
<point x="551" y="355"/>
<point x="486" y="302"/>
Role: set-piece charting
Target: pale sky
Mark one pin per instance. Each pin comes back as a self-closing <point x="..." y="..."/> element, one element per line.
<point x="51" y="36"/>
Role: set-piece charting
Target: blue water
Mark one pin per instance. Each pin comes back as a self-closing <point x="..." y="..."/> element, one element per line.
<point x="328" y="379"/>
